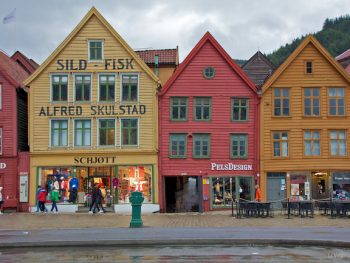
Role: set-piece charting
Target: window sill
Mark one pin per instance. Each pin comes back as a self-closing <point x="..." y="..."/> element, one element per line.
<point x="179" y="157"/>
<point x="239" y="158"/>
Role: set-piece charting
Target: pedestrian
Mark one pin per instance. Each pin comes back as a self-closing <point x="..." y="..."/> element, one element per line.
<point x="258" y="196"/>
<point x="55" y="195"/>
<point x="1" y="200"/>
<point x="99" y="200"/>
<point x="94" y="199"/>
<point x="42" y="200"/>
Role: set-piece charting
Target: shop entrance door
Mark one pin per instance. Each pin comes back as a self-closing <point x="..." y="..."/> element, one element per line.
<point x="182" y="194"/>
<point x="276" y="188"/>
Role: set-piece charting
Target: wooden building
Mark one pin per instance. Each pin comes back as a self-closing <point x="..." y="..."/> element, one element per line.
<point x="304" y="131"/>
<point x="344" y="60"/>
<point x="208" y="132"/>
<point x="14" y="155"/>
<point x="93" y="117"/>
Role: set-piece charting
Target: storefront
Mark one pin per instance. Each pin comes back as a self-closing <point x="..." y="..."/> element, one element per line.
<point x="341" y="185"/>
<point x="97" y="122"/>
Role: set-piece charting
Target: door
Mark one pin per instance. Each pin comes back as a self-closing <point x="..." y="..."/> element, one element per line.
<point x="276" y="188"/>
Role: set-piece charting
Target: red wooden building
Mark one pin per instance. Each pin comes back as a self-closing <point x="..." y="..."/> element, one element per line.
<point x="14" y="155"/>
<point x="208" y="127"/>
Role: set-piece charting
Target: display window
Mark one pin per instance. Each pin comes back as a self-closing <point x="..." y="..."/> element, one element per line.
<point x="341" y="185"/>
<point x="299" y="187"/>
<point x="134" y="178"/>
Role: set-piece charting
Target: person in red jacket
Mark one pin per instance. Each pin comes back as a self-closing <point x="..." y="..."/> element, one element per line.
<point x="42" y="199"/>
<point x="258" y="196"/>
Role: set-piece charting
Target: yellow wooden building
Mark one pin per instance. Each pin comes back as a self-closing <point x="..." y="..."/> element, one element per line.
<point x="93" y="118"/>
<point x="304" y="127"/>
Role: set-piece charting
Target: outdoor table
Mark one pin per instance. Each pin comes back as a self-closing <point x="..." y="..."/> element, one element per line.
<point x="264" y="209"/>
<point x="253" y="209"/>
<point x="302" y="207"/>
<point x="340" y="208"/>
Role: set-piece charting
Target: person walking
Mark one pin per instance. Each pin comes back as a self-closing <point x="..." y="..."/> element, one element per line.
<point x="42" y="200"/>
<point x="99" y="200"/>
<point x="1" y="200"/>
<point x="93" y="204"/>
<point x="55" y="195"/>
<point x="258" y="196"/>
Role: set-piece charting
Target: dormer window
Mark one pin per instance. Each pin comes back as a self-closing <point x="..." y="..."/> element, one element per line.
<point x="309" y="68"/>
<point x="95" y="50"/>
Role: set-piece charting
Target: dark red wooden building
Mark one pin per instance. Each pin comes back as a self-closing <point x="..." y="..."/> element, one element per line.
<point x="14" y="155"/>
<point x="208" y="127"/>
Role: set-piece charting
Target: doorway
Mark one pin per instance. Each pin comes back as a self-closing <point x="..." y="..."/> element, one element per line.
<point x="276" y="188"/>
<point x="182" y="194"/>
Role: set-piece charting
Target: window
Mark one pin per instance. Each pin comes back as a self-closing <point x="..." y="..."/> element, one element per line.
<point x="178" y="108"/>
<point x="338" y="143"/>
<point x="129" y="87"/>
<point x="336" y="101"/>
<point x="0" y="140"/>
<point x="106" y="132"/>
<point x="82" y="132"/>
<point x="308" y="67"/>
<point x="239" y="146"/>
<point x="312" y="143"/>
<point x="82" y="87"/>
<point x="281" y="101"/>
<point x="0" y="97"/>
<point x="280" y="143"/>
<point x="178" y="145"/>
<point x="59" y="87"/>
<point x="201" y="145"/>
<point x="95" y="50"/>
<point x="107" y="87"/>
<point x="202" y="109"/>
<point x="209" y="72"/>
<point x="312" y="102"/>
<point x="129" y="131"/>
<point x="240" y="109"/>
<point x="59" y="133"/>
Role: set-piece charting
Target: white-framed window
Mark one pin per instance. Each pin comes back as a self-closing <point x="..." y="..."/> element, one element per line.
<point x="95" y="49"/>
<point x="0" y="97"/>
<point x="0" y="141"/>
<point x="106" y="132"/>
<point x="129" y="129"/>
<point x="82" y="87"/>
<point x="59" y="133"/>
<point x="59" y="87"/>
<point x="82" y="132"/>
<point x="106" y="87"/>
<point x="129" y="87"/>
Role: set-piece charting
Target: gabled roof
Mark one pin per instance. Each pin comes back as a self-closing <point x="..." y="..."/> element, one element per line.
<point x="166" y="56"/>
<point x="345" y="54"/>
<point x="12" y="71"/>
<point x="93" y="12"/>
<point x="26" y="63"/>
<point x="296" y="52"/>
<point x="208" y="38"/>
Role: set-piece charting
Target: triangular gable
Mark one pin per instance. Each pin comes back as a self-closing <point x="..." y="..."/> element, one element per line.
<point x="208" y="38"/>
<point x="258" y="54"/>
<point x="294" y="55"/>
<point x="93" y="11"/>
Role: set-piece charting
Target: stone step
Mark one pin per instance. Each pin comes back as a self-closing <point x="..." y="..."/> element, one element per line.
<point x="85" y="209"/>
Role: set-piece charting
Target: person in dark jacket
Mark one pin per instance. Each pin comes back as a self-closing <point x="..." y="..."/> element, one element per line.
<point x="99" y="201"/>
<point x="42" y="200"/>
<point x="93" y="204"/>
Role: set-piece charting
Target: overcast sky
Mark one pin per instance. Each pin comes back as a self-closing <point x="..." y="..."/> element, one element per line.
<point x="241" y="27"/>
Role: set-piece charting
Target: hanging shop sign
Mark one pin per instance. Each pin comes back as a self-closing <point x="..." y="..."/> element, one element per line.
<point x="99" y="110"/>
<point x="2" y="165"/>
<point x="83" y="160"/>
<point x="231" y="167"/>
<point x="81" y="64"/>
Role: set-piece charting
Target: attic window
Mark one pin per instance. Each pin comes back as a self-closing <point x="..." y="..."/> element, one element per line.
<point x="309" y="67"/>
<point x="209" y="72"/>
<point x="95" y="50"/>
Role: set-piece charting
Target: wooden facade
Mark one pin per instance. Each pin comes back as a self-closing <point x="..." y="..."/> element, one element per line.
<point x="304" y="116"/>
<point x="195" y="150"/>
<point x="121" y="135"/>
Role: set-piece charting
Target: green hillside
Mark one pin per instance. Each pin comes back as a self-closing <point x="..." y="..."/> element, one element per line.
<point x="334" y="36"/>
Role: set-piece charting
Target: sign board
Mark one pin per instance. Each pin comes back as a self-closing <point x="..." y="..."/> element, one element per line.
<point x="307" y="188"/>
<point x="23" y="188"/>
<point x="231" y="167"/>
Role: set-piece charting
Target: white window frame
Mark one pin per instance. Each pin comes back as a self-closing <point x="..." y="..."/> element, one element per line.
<point x="91" y="126"/>
<point x="138" y="132"/>
<point x="103" y="44"/>
<point x="121" y="87"/>
<point x="115" y="86"/>
<point x="50" y="132"/>
<point x="98" y="132"/>
<point x="82" y="74"/>
<point x="59" y="74"/>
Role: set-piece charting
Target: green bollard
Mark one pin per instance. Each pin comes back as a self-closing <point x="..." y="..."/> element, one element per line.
<point x="136" y="200"/>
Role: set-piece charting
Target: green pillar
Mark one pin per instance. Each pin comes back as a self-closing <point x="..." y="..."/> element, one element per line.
<point x="136" y="200"/>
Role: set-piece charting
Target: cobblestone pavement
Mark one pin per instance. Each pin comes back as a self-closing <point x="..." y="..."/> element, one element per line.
<point x="22" y="221"/>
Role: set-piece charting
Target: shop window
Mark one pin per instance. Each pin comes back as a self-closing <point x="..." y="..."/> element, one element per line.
<point x="95" y="50"/>
<point x="106" y="87"/>
<point x="82" y="87"/>
<point x="130" y="87"/>
<point x="299" y="187"/>
<point x="280" y="143"/>
<point x="201" y="145"/>
<point x="59" y="133"/>
<point x="178" y="108"/>
<point x="308" y="67"/>
<point x="106" y="132"/>
<point x="134" y="178"/>
<point x="336" y="101"/>
<point x="312" y="143"/>
<point x="240" y="108"/>
<point x="311" y="101"/>
<point x="281" y="102"/>
<point x="341" y="185"/>
<point x="59" y="87"/>
<point x="239" y="146"/>
<point x="129" y="128"/>
<point x="178" y="145"/>
<point x="82" y="132"/>
<point x="0" y="140"/>
<point x="202" y="109"/>
<point x="209" y="72"/>
<point x="338" y="143"/>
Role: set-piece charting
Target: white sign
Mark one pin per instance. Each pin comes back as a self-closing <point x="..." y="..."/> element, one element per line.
<point x="307" y="188"/>
<point x="231" y="167"/>
<point x="2" y="165"/>
<point x="23" y="188"/>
